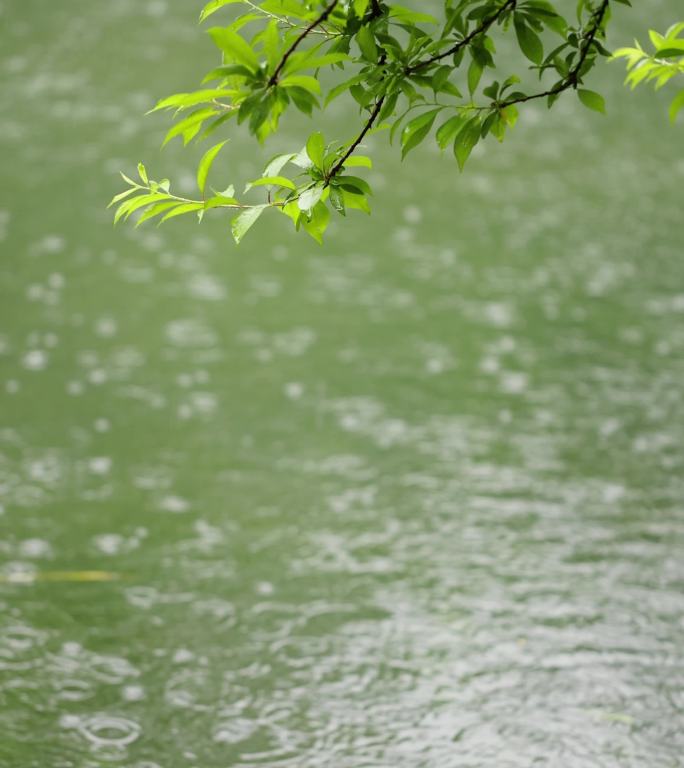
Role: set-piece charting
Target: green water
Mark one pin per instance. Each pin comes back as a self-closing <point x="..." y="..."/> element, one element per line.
<point x="409" y="500"/>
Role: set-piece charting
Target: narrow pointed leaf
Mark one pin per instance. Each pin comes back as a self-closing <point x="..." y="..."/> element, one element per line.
<point x="205" y="164"/>
<point x="243" y="222"/>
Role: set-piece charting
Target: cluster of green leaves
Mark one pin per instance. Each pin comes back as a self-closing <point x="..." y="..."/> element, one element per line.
<point x="408" y="71"/>
<point x="660" y="66"/>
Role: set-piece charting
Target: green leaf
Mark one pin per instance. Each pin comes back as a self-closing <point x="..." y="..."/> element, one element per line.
<point x="355" y="201"/>
<point x="440" y="77"/>
<point x="122" y="195"/>
<point x="221" y="201"/>
<point x="354" y="184"/>
<point x="129" y="181"/>
<point x="306" y="82"/>
<point x="529" y="41"/>
<point x="672" y="50"/>
<point x="132" y="204"/>
<point x="181" y="209"/>
<point x="291" y="210"/>
<point x="466" y="140"/>
<point x="318" y="222"/>
<point x="190" y="125"/>
<point x="366" y="41"/>
<point x="656" y="38"/>
<point x="407" y="16"/>
<point x="510" y="115"/>
<point x="235" y="47"/>
<point x="214" y="6"/>
<point x="360" y="7"/>
<point x="294" y="8"/>
<point x="243" y="222"/>
<point x="416" y="130"/>
<point x="271" y="181"/>
<point x="343" y="88"/>
<point x="358" y="161"/>
<point x="219" y="73"/>
<point x="676" y="105"/>
<point x="337" y="200"/>
<point x="315" y="149"/>
<point x="271" y="40"/>
<point x="206" y="163"/>
<point x="310" y="197"/>
<point x="182" y="101"/>
<point x="155" y="210"/>
<point x="306" y="60"/>
<point x="592" y="100"/>
<point x="474" y="75"/>
<point x="277" y="163"/>
<point x="305" y="101"/>
<point x="447" y="131"/>
<point x="142" y="173"/>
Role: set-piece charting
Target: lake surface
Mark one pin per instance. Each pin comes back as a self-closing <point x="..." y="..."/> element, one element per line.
<point x="413" y="499"/>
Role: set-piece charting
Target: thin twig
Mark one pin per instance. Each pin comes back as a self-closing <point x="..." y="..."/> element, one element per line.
<point x="484" y="26"/>
<point x="376" y="9"/>
<point x="315" y="23"/>
<point x="352" y="148"/>
<point x="570" y="81"/>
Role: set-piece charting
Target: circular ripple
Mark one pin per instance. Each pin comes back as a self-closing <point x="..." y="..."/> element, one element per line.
<point x="109" y="731"/>
<point x="20" y="646"/>
<point x="74" y="690"/>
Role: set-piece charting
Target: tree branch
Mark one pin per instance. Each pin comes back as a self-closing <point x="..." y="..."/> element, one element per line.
<point x="484" y="26"/>
<point x="352" y="148"/>
<point x="591" y="36"/>
<point x="570" y="81"/>
<point x="315" y="23"/>
<point x="376" y="10"/>
<point x="375" y="7"/>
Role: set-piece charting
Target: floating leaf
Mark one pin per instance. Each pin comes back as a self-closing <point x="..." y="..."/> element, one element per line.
<point x="31" y="577"/>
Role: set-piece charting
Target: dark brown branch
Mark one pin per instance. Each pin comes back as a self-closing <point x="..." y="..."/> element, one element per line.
<point x="591" y="36"/>
<point x="352" y="148"/>
<point x="315" y="23"/>
<point x="483" y="27"/>
<point x="570" y="81"/>
<point x="376" y="10"/>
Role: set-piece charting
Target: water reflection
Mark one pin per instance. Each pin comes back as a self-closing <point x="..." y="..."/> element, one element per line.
<point x="412" y="500"/>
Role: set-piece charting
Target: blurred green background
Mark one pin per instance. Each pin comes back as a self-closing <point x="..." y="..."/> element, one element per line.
<point x="409" y="500"/>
